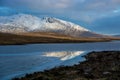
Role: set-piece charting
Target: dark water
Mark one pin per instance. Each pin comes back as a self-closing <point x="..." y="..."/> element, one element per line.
<point x="18" y="60"/>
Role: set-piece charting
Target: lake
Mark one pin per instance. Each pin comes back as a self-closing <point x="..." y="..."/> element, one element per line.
<point x="17" y="60"/>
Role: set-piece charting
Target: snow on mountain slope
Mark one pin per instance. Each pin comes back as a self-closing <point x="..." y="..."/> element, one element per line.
<point x="19" y="23"/>
<point x="28" y="23"/>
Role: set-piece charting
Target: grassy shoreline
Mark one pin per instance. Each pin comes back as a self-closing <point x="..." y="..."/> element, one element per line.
<point x="104" y="65"/>
<point x="34" y="38"/>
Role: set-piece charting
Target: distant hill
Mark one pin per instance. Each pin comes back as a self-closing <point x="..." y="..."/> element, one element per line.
<point x="117" y="35"/>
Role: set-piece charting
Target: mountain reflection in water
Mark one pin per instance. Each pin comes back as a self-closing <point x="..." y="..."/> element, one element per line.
<point x="17" y="60"/>
<point x="64" y="55"/>
<point x="19" y="64"/>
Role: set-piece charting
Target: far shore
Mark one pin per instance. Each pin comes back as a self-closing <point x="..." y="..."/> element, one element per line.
<point x="37" y="38"/>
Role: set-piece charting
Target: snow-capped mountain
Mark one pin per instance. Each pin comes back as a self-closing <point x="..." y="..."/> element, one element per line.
<point x="27" y="23"/>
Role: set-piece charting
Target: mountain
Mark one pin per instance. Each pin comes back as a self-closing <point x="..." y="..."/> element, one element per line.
<point x="22" y="23"/>
<point x="117" y="35"/>
<point x="27" y="29"/>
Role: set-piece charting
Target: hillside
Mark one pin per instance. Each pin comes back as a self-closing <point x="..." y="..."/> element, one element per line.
<point x="41" y="37"/>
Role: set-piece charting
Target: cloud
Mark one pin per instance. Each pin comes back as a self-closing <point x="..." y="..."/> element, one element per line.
<point x="85" y="10"/>
<point x="38" y="4"/>
<point x="98" y="15"/>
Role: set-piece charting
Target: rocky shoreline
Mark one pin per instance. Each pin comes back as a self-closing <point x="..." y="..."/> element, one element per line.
<point x="104" y="65"/>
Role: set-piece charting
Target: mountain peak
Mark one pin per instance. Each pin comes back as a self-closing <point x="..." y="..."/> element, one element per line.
<point x="30" y="23"/>
<point x="49" y="19"/>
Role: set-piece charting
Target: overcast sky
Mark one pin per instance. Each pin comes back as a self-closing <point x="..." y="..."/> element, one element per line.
<point x="101" y="16"/>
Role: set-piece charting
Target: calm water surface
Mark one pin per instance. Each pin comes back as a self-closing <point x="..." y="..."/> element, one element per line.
<point x="17" y="60"/>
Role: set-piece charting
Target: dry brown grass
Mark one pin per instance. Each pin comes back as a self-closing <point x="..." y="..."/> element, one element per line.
<point x="41" y="37"/>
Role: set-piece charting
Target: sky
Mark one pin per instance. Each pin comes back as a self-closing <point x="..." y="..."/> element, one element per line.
<point x="102" y="16"/>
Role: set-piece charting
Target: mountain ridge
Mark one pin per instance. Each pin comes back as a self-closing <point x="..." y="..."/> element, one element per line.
<point x="27" y="23"/>
<point x="28" y="29"/>
<point x="22" y="20"/>
<point x="116" y="35"/>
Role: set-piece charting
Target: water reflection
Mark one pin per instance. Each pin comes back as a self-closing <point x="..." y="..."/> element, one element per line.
<point x="12" y="65"/>
<point x="64" y="55"/>
<point x="19" y="60"/>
